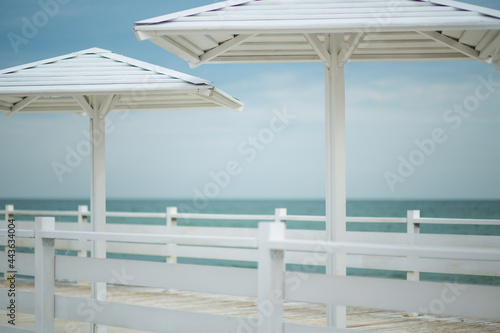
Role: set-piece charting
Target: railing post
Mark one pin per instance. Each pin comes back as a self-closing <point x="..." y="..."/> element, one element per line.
<point x="171" y="222"/>
<point x="83" y="217"/>
<point x="271" y="276"/>
<point x="9" y="215"/>
<point x="280" y="215"/>
<point x="44" y="276"/>
<point x="412" y="229"/>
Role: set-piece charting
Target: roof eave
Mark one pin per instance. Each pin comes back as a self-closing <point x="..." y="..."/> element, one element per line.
<point x="315" y="26"/>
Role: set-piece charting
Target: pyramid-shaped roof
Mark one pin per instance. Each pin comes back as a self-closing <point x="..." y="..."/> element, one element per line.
<point x="294" y="31"/>
<point x="57" y="84"/>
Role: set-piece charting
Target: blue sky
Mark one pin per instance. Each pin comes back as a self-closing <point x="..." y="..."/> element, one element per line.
<point x="393" y="111"/>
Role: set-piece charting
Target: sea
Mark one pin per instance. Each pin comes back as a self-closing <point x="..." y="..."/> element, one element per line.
<point x="461" y="209"/>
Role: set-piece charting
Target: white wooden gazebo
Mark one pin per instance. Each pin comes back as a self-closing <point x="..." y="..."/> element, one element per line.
<point x="333" y="32"/>
<point x="95" y="82"/>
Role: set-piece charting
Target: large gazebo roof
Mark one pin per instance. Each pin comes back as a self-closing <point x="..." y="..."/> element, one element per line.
<point x="63" y="85"/>
<point x="294" y="31"/>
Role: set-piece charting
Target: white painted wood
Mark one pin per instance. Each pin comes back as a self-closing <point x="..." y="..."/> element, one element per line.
<point x="280" y="215"/>
<point x="13" y="329"/>
<point x="301" y="328"/>
<point x="349" y="48"/>
<point x="270" y="279"/>
<point x="44" y="276"/>
<point x="462" y="48"/>
<point x="424" y="23"/>
<point x="171" y="222"/>
<point x="383" y="249"/>
<point x="319" y="48"/>
<point x="213" y="53"/>
<point x="161" y="238"/>
<point x="42" y="87"/>
<point x="98" y="193"/>
<point x="422" y="297"/>
<point x="490" y="48"/>
<point x="412" y="228"/>
<point x="174" y="47"/>
<point x="335" y="170"/>
<point x="211" y="279"/>
<point x="149" y="319"/>
<point x="22" y="104"/>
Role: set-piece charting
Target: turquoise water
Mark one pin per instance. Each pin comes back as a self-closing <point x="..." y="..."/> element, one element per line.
<point x="366" y="208"/>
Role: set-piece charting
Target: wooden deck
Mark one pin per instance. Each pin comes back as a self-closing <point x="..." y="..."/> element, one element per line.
<point x="363" y="319"/>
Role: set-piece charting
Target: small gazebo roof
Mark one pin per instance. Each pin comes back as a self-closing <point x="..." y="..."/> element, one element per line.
<point x="63" y="85"/>
<point x="294" y="31"/>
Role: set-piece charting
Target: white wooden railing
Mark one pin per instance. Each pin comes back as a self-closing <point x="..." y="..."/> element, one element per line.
<point x="271" y="284"/>
<point x="354" y="260"/>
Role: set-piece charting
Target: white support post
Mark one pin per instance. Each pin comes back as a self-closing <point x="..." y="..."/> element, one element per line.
<point x="9" y="215"/>
<point x="44" y="276"/>
<point x="280" y="215"/>
<point x="271" y="279"/>
<point x="98" y="195"/>
<point x="171" y="222"/>
<point x="335" y="169"/>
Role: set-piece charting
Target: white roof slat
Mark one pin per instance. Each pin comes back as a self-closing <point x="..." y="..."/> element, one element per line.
<point x="486" y="40"/>
<point x="274" y="45"/>
<point x="221" y="37"/>
<point x="331" y="16"/>
<point x="309" y="9"/>
<point x="168" y="17"/>
<point x="417" y="43"/>
<point x="319" y="5"/>
<point x="472" y="37"/>
<point x="98" y="90"/>
<point x="397" y="50"/>
<point x="265" y="59"/>
<point x="181" y="40"/>
<point x="47" y="74"/>
<point x="387" y="36"/>
<point x="100" y="80"/>
<point x="453" y="33"/>
<point x="297" y="52"/>
<point x="50" y="60"/>
<point x="466" y="6"/>
<point x="204" y="42"/>
<point x="408" y="57"/>
<point x="11" y="99"/>
<point x="398" y="24"/>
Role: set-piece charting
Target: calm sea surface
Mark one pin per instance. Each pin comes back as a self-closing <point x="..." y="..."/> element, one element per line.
<point x="366" y="208"/>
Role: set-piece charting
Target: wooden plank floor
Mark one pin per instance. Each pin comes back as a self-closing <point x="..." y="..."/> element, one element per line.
<point x="364" y="319"/>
